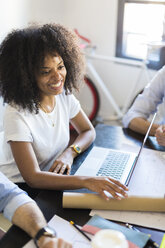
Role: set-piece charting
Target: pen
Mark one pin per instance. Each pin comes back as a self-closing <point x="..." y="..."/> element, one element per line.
<point x="72" y="223"/>
<point x="150" y="241"/>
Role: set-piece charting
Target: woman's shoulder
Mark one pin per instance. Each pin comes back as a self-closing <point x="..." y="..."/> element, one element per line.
<point x="66" y="97"/>
<point x="12" y="109"/>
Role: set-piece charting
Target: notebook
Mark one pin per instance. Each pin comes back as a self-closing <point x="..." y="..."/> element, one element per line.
<point x="117" y="164"/>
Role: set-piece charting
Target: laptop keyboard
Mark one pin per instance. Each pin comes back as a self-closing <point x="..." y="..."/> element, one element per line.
<point x="114" y="165"/>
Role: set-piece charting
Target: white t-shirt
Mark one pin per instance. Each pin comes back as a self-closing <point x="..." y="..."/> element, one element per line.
<point x="151" y="100"/>
<point x="48" y="141"/>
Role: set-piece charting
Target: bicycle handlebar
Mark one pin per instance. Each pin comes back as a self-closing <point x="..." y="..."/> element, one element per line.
<point x="82" y="37"/>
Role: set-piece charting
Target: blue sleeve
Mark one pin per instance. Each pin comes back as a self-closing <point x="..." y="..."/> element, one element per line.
<point x="11" y="197"/>
<point x="148" y="102"/>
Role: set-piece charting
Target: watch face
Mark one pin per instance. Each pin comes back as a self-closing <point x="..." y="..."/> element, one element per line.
<point x="49" y="231"/>
<point x="78" y="149"/>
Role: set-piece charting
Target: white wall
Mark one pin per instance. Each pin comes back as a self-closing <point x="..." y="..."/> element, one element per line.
<point x="95" y="19"/>
<point x="13" y="14"/>
<point x="45" y="11"/>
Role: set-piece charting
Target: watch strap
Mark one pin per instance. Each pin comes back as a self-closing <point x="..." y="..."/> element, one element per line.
<point x="45" y="231"/>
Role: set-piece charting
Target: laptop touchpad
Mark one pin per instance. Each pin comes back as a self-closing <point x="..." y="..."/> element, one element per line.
<point x="89" y="168"/>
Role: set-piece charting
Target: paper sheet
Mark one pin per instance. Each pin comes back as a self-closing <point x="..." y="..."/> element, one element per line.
<point x="149" y="175"/>
<point x="66" y="231"/>
<point x="146" y="219"/>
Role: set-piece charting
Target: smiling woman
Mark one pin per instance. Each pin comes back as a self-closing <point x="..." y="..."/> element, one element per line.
<point x="24" y="54"/>
<point x="39" y="68"/>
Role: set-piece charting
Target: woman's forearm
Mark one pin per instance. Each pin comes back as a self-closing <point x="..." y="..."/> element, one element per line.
<point x="51" y="180"/>
<point x="85" y="130"/>
<point x="141" y="125"/>
<point x="85" y="139"/>
<point x="97" y="184"/>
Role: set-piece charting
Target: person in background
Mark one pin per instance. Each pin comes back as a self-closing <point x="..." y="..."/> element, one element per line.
<point x="146" y="104"/>
<point x="22" y="211"/>
<point x="40" y="66"/>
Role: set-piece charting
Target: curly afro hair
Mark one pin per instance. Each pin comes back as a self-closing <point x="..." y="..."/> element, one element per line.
<point x="22" y="53"/>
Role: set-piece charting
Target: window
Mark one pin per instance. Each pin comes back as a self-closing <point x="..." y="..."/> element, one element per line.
<point x="141" y="31"/>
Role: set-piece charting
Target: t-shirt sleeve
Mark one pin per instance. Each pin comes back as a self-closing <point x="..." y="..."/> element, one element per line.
<point x="74" y="106"/>
<point x="15" y="127"/>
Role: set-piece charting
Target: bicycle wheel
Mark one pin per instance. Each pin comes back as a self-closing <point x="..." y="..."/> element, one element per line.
<point x="89" y="99"/>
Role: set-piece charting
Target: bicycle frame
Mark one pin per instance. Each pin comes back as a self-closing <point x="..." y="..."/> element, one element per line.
<point x="90" y="55"/>
<point x="120" y="112"/>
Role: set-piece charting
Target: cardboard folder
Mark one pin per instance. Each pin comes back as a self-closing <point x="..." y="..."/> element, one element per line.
<point x="94" y="201"/>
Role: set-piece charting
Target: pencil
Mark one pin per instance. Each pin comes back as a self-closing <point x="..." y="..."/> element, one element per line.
<point x="73" y="224"/>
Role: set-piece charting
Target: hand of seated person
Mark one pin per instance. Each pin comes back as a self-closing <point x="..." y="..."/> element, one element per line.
<point x="106" y="186"/>
<point x="63" y="163"/>
<point x="48" y="242"/>
<point x="160" y="135"/>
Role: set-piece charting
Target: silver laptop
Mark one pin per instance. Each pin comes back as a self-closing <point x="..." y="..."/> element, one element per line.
<point x="113" y="163"/>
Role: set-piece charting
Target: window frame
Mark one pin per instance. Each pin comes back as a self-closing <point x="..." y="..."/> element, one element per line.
<point x="119" y="34"/>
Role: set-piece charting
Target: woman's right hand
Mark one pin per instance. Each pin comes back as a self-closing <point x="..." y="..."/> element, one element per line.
<point x="102" y="185"/>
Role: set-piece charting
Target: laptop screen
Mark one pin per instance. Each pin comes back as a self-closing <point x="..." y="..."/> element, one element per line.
<point x="142" y="145"/>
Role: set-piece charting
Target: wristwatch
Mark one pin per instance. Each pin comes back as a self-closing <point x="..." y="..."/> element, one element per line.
<point x="45" y="231"/>
<point x="76" y="148"/>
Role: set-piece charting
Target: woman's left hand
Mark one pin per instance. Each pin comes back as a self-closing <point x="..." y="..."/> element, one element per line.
<point x="60" y="167"/>
<point x="160" y="135"/>
<point x="63" y="163"/>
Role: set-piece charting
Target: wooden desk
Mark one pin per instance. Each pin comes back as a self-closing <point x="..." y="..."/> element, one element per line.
<point x="50" y="201"/>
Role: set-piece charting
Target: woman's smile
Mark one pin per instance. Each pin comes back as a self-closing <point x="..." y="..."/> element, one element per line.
<point x="56" y="86"/>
